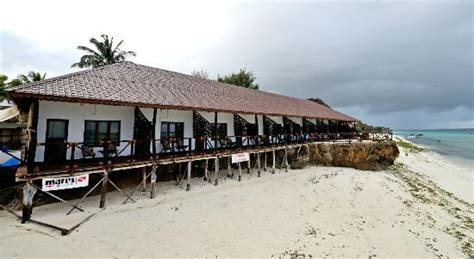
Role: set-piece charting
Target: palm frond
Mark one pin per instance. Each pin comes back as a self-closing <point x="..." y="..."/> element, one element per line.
<point x="104" y="54"/>
<point x="24" y="78"/>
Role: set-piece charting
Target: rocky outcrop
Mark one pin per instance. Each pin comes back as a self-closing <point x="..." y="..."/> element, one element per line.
<point x="364" y="155"/>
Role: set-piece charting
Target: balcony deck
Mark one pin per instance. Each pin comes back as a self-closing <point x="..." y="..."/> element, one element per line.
<point x="254" y="145"/>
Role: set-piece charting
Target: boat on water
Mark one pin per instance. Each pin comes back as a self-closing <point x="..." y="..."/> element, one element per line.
<point x="414" y="135"/>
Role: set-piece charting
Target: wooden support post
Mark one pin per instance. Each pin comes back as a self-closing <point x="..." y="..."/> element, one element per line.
<point x="273" y="162"/>
<point x="27" y="208"/>
<point x="216" y="171"/>
<point x="265" y="161"/>
<point x="153" y="182"/>
<point x="215" y="132"/>
<point x="32" y="136"/>
<point x="229" y="168"/>
<point x="132" y="150"/>
<point x="104" y="189"/>
<point x="73" y="151"/>
<point x="286" y="160"/>
<point x="153" y="134"/>
<point x="188" y="184"/>
<point x="257" y="141"/>
<point x="206" y="171"/>
<point x="178" y="175"/>
<point x="144" y="179"/>
<point x="248" y="164"/>
<point x="240" y="172"/>
<point x="258" y="164"/>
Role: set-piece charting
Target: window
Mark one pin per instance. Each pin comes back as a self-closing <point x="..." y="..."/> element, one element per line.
<point x="97" y="131"/>
<point x="172" y="130"/>
<point x="221" y="129"/>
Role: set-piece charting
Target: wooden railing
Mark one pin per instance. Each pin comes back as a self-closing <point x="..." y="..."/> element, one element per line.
<point x="131" y="150"/>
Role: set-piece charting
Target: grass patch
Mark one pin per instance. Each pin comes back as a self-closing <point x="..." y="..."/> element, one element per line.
<point x="426" y="191"/>
<point x="409" y="146"/>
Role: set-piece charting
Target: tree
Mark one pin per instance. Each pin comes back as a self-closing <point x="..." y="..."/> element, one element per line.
<point x="106" y="53"/>
<point x="320" y="101"/>
<point x="3" y="87"/>
<point x="31" y="77"/>
<point x="203" y="74"/>
<point x="243" y="78"/>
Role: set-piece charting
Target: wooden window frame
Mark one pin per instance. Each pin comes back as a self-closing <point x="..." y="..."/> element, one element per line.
<point x="168" y="123"/>
<point x="96" y="142"/>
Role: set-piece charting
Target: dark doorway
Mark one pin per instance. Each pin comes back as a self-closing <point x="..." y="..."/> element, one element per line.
<point x="142" y="134"/>
<point x="56" y="138"/>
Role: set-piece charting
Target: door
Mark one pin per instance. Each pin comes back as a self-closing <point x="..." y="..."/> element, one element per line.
<point x="56" y="138"/>
<point x="142" y="132"/>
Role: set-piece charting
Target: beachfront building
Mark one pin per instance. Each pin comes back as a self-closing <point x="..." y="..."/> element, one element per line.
<point x="126" y="115"/>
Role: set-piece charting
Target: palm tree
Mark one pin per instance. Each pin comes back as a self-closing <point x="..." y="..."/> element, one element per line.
<point x="32" y="77"/>
<point x="106" y="53"/>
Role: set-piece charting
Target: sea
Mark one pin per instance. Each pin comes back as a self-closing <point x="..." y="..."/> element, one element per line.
<point x="457" y="144"/>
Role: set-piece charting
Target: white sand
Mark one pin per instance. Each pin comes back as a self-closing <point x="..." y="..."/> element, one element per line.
<point x="457" y="178"/>
<point x="319" y="211"/>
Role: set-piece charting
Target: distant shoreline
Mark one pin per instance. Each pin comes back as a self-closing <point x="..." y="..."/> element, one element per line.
<point x="456" y="145"/>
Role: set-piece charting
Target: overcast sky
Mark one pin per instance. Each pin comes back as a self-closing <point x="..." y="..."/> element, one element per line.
<point x="402" y="64"/>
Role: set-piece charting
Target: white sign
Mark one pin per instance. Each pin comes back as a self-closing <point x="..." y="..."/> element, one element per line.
<point x="240" y="157"/>
<point x="69" y="182"/>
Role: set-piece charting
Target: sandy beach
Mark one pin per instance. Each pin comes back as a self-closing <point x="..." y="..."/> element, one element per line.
<point x="421" y="207"/>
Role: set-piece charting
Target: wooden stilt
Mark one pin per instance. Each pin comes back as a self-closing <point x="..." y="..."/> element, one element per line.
<point x="240" y="172"/>
<point x="273" y="161"/>
<point x="216" y="171"/>
<point x="104" y="189"/>
<point x="27" y="208"/>
<point x="178" y="175"/>
<point x="258" y="164"/>
<point x="265" y="161"/>
<point x="152" y="183"/>
<point x="32" y="136"/>
<point x="229" y="169"/>
<point x="188" y="185"/>
<point x="248" y="164"/>
<point x="206" y="171"/>
<point x="286" y="160"/>
<point x="144" y="179"/>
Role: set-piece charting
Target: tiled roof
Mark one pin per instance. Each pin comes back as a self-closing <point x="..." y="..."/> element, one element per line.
<point x="131" y="84"/>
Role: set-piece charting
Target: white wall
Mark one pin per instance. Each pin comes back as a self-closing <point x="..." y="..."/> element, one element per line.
<point x="277" y="119"/>
<point x="222" y="117"/>
<point x="77" y="113"/>
<point x="297" y="120"/>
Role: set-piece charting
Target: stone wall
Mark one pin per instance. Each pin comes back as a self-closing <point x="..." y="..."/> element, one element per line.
<point x="360" y="155"/>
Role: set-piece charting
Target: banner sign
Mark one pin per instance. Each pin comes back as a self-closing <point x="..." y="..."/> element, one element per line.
<point x="240" y="157"/>
<point x="69" y="182"/>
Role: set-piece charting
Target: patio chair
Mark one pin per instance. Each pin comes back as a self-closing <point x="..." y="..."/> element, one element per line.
<point x="180" y="145"/>
<point x="166" y="145"/>
<point x="87" y="151"/>
<point x="230" y="143"/>
<point x="109" y="149"/>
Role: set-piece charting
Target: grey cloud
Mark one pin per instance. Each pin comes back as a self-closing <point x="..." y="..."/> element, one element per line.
<point x="20" y="55"/>
<point x="395" y="63"/>
<point x="381" y="56"/>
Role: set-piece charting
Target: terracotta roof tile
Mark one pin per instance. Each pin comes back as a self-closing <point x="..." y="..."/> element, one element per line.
<point x="138" y="85"/>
